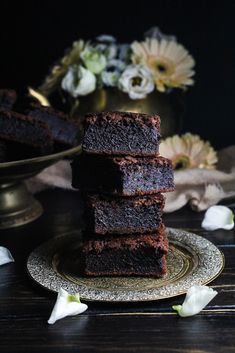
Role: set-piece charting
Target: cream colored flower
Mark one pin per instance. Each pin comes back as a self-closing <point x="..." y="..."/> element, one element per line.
<point x="188" y="151"/>
<point x="169" y="62"/>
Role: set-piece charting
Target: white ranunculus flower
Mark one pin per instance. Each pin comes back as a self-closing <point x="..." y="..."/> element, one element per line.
<point x="93" y="59"/>
<point x="79" y="81"/>
<point x="218" y="217"/>
<point x="112" y="73"/>
<point x="137" y="81"/>
<point x="5" y="256"/>
<point x="196" y="299"/>
<point x="66" y="305"/>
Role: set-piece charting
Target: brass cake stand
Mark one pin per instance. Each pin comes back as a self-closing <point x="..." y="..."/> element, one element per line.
<point x="17" y="204"/>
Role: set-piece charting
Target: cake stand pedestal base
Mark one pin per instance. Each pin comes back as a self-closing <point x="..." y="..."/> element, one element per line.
<point x="17" y="205"/>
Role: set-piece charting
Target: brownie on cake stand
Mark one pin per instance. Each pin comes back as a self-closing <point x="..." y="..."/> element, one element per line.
<point x="29" y="142"/>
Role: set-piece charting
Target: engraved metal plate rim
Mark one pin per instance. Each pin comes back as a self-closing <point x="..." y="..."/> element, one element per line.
<point x="211" y="264"/>
<point x="40" y="159"/>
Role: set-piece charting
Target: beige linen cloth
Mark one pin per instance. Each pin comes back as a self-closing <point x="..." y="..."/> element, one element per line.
<point x="200" y="188"/>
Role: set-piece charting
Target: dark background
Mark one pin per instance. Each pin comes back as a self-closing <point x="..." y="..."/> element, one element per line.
<point x="35" y="33"/>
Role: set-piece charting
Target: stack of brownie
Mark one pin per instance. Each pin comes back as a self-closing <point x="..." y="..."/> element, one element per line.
<point x="122" y="176"/>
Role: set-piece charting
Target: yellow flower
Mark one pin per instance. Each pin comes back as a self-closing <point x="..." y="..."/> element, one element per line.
<point x="71" y="57"/>
<point x="188" y="151"/>
<point x="169" y="62"/>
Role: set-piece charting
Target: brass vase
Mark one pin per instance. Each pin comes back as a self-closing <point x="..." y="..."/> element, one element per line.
<point x="168" y="105"/>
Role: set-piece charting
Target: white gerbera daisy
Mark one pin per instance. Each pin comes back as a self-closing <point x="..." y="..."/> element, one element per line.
<point x="188" y="151"/>
<point x="169" y="62"/>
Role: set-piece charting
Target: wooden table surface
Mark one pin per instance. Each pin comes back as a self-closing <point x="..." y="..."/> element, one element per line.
<point x="137" y="327"/>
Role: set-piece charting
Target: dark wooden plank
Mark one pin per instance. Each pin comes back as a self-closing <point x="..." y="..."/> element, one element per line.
<point x="120" y="334"/>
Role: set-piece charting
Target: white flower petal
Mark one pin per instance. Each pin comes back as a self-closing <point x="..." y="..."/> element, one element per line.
<point x="218" y="217"/>
<point x="5" y="256"/>
<point x="66" y="305"/>
<point x="196" y="299"/>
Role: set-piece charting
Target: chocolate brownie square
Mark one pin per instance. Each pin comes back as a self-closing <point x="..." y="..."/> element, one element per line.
<point x="24" y="132"/>
<point x="7" y="98"/>
<point x="130" y="255"/>
<point x="64" y="132"/>
<point x="124" y="176"/>
<point x="123" y="215"/>
<point x="121" y="133"/>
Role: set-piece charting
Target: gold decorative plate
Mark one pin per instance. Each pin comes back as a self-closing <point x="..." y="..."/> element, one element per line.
<point x="191" y="260"/>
